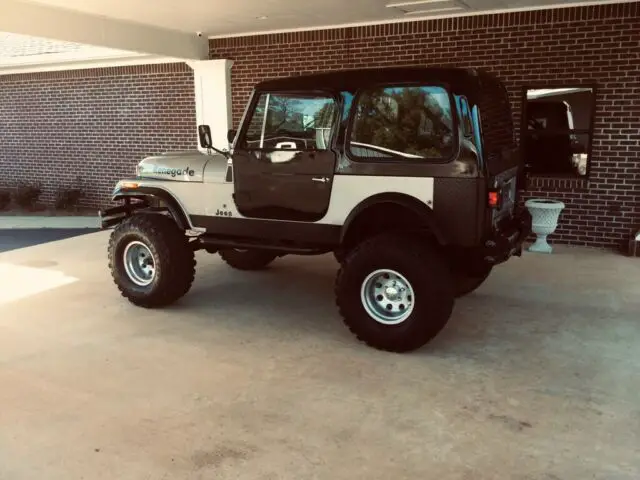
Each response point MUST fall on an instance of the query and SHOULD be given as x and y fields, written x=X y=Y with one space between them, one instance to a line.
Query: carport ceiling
x=237 y=17
x=59 y=34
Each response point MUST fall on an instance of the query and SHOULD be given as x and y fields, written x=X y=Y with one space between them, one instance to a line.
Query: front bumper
x=110 y=217
x=507 y=240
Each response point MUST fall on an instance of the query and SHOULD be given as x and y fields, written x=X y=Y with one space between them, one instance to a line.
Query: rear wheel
x=394 y=292
x=247 y=259
x=151 y=261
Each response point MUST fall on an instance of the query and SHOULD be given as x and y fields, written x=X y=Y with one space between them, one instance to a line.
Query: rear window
x=403 y=123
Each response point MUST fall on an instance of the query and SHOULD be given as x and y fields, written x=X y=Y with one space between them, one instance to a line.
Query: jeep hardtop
x=408 y=176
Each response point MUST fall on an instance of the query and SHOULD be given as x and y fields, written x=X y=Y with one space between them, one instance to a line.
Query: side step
x=212 y=243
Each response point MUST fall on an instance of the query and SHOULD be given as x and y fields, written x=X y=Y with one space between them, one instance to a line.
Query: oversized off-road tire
x=395 y=292
x=466 y=282
x=151 y=261
x=247 y=259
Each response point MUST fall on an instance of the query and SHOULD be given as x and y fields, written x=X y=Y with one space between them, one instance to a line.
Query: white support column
x=212 y=83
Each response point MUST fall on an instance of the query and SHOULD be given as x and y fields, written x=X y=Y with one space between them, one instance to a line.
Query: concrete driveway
x=253 y=376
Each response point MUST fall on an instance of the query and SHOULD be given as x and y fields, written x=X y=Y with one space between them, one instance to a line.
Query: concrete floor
x=253 y=376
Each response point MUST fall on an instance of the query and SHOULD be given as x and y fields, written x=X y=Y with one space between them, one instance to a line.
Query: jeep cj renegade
x=407 y=175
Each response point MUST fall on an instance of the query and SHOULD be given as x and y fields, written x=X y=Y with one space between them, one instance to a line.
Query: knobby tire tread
x=173 y=253
x=405 y=249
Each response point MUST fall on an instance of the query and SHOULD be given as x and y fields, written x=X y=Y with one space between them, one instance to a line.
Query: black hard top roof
x=351 y=80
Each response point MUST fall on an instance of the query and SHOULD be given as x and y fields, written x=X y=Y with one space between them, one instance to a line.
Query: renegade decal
x=173 y=171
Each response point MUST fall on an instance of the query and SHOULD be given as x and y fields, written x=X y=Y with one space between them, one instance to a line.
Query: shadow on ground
x=13 y=239
x=296 y=295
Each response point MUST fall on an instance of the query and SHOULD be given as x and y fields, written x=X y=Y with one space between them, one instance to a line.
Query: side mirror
x=204 y=134
x=231 y=135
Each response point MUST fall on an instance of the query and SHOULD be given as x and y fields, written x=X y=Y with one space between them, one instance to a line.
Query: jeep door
x=283 y=161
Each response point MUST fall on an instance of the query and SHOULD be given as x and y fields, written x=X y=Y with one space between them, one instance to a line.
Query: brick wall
x=95 y=124
x=597 y=44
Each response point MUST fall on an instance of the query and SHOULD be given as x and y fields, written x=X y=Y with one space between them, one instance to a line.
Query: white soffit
x=24 y=54
x=102 y=28
x=398 y=11
x=220 y=18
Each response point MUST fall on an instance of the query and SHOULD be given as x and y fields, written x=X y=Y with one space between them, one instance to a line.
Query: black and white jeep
x=407 y=175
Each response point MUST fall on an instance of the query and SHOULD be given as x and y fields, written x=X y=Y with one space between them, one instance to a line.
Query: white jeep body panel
x=199 y=183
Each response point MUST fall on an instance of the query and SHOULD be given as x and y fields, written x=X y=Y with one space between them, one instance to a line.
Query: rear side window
x=402 y=123
x=291 y=122
x=465 y=116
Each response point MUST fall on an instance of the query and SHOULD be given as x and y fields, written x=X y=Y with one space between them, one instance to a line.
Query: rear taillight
x=495 y=199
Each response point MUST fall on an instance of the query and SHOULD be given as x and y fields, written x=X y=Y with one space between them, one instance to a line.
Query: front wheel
x=395 y=293
x=151 y=261
x=247 y=259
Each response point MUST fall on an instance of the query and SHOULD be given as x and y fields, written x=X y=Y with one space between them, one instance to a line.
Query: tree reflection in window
x=295 y=122
x=408 y=122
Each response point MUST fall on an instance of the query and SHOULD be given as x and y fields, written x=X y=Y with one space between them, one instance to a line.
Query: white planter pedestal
x=544 y=219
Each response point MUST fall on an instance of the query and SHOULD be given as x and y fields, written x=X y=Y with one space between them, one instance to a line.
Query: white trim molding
x=38 y=64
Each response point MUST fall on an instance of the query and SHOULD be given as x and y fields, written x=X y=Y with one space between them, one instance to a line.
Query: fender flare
x=413 y=204
x=174 y=207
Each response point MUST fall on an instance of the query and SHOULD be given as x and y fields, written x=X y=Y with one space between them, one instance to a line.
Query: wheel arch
x=408 y=203
x=176 y=210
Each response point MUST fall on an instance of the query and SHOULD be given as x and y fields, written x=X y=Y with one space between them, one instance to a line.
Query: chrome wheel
x=387 y=297
x=139 y=263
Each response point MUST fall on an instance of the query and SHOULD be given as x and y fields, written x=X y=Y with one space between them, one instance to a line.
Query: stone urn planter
x=544 y=219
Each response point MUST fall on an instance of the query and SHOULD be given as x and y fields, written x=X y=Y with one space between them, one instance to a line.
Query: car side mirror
x=231 y=135
x=204 y=135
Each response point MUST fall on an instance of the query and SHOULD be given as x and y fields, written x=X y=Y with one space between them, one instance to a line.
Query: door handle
x=286 y=145
x=320 y=179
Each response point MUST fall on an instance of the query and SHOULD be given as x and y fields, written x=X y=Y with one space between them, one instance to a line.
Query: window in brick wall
x=409 y=122
x=557 y=130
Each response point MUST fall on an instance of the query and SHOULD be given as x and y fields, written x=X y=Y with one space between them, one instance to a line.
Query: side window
x=464 y=114
x=403 y=122
x=347 y=100
x=465 y=117
x=477 y=123
x=291 y=122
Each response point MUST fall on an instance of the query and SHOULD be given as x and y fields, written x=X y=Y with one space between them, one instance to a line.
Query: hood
x=187 y=166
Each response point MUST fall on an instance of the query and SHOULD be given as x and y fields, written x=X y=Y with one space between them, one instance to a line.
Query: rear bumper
x=508 y=239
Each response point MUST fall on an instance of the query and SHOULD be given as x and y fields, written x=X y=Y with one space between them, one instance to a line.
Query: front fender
x=128 y=190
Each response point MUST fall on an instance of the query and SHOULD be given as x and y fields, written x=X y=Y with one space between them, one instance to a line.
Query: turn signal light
x=494 y=199
x=130 y=185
